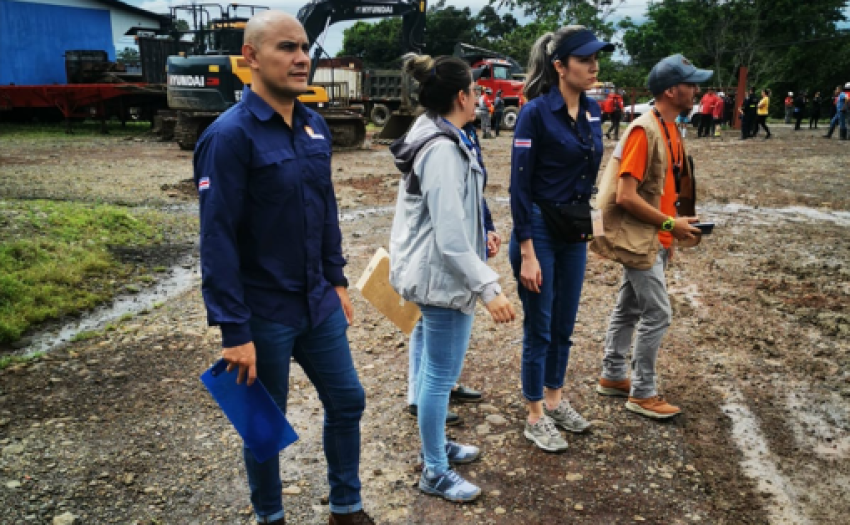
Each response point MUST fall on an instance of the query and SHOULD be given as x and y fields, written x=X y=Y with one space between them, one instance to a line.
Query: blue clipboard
x=251 y=409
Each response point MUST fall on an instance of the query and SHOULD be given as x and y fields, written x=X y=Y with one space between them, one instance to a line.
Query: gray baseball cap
x=674 y=70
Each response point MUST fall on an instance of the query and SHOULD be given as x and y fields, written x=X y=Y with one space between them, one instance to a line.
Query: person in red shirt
x=614 y=107
x=789 y=107
x=717 y=114
x=706 y=111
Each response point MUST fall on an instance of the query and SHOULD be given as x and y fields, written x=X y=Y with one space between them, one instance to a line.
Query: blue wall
x=34 y=38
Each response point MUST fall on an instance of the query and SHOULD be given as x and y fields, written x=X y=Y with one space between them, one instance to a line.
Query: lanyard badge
x=677 y=163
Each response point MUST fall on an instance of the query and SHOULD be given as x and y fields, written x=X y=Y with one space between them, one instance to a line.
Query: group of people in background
x=840 y=112
x=489 y=110
x=754 y=111
x=716 y=109
x=712 y=108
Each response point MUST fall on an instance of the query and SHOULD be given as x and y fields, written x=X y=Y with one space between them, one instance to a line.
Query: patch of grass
x=9 y=360
x=56 y=257
x=85 y=335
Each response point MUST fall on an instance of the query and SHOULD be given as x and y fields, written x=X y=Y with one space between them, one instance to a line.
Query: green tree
x=378 y=44
x=128 y=55
x=785 y=44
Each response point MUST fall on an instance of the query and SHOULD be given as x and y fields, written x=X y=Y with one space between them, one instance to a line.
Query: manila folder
x=375 y=286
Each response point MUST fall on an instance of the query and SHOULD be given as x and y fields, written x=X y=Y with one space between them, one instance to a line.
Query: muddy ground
x=118 y=429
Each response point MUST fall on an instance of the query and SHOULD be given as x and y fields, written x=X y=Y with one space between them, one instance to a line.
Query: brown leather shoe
x=608 y=387
x=355 y=518
x=654 y=407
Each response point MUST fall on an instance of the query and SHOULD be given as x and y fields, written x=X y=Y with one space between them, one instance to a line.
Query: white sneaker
x=566 y=417
x=544 y=434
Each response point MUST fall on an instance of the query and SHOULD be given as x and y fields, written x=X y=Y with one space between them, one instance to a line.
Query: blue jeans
x=324 y=355
x=445 y=337
x=416 y=347
x=549 y=316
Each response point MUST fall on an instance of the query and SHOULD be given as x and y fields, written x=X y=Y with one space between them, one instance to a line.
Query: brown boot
x=355 y=518
x=655 y=407
x=609 y=387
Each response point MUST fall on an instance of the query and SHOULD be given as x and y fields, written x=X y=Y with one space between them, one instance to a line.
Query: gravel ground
x=118 y=429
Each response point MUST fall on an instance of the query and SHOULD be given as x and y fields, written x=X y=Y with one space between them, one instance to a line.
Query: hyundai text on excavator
x=209 y=81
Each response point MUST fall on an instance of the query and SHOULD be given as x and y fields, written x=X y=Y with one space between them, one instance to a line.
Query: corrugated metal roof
x=117 y=4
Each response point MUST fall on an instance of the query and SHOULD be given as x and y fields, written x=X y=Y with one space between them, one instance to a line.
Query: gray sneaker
x=566 y=417
x=448 y=485
x=545 y=435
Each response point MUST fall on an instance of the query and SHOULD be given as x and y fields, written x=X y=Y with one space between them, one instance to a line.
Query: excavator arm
x=318 y=15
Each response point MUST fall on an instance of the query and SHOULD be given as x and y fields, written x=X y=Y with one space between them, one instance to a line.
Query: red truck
x=500 y=72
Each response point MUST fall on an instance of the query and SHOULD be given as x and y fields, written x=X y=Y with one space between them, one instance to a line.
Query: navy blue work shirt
x=270 y=239
x=475 y=145
x=550 y=160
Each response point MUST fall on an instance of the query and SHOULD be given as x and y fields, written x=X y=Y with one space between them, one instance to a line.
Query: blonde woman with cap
x=556 y=155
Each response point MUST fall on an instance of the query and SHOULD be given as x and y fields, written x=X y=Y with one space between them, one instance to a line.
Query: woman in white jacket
x=437 y=253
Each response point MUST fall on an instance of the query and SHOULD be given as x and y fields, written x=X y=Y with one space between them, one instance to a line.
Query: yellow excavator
x=209 y=80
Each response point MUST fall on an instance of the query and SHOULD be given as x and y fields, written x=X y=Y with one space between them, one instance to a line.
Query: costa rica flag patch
x=522 y=143
x=204 y=184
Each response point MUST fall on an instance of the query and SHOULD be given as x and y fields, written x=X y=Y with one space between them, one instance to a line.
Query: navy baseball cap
x=675 y=70
x=582 y=43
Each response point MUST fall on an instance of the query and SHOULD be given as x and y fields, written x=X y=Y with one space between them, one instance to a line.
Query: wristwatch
x=667 y=226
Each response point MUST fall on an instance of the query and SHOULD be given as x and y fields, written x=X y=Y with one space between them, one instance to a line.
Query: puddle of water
x=721 y=213
x=759 y=462
x=179 y=280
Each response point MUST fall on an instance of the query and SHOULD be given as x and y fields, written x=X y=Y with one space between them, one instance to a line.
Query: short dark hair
x=440 y=79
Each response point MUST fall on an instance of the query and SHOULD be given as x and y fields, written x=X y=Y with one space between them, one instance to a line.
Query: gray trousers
x=643 y=303
x=485 y=120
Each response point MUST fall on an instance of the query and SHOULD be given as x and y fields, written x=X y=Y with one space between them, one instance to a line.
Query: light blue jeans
x=444 y=335
x=416 y=347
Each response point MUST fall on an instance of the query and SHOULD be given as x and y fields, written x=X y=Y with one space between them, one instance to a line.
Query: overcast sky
x=333 y=40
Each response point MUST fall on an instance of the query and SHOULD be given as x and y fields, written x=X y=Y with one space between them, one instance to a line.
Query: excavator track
x=189 y=128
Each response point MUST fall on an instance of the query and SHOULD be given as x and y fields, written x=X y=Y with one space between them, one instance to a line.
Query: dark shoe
x=767 y=137
x=464 y=394
x=355 y=518
x=452 y=418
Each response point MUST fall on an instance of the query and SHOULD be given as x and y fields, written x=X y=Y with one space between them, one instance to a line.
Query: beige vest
x=628 y=240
